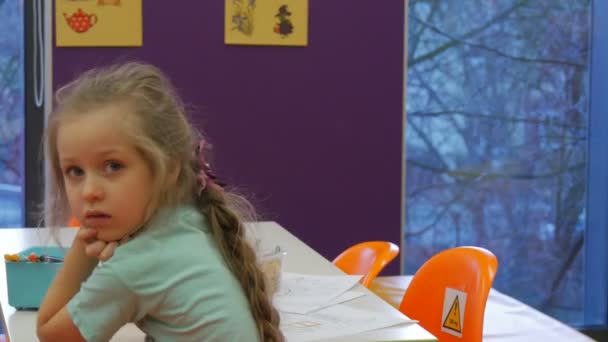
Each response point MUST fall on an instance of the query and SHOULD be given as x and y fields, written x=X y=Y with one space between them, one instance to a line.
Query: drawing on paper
x=303 y=324
x=243 y=16
x=80 y=21
x=108 y=2
x=284 y=27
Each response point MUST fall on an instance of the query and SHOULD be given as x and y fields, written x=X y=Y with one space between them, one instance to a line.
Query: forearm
x=77 y=267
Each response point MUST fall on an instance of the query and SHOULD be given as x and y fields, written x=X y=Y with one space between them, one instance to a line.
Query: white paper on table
x=334 y=321
x=302 y=293
x=345 y=297
x=304 y=305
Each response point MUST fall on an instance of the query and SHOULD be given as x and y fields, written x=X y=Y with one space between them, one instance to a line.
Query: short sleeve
x=102 y=306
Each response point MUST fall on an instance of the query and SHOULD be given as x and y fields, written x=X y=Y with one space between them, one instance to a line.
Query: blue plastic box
x=27 y=282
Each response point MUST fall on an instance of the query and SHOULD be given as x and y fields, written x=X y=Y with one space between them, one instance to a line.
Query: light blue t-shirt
x=171 y=281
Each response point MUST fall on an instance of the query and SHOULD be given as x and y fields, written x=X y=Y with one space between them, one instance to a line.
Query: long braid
x=228 y=231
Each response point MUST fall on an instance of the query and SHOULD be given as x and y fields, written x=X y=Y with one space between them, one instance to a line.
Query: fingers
x=86 y=234
x=95 y=248
x=108 y=251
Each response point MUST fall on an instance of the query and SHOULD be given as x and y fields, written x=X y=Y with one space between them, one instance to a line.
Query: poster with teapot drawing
x=98 y=22
x=266 y=22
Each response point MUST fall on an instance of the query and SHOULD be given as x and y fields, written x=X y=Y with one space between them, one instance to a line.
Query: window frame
x=596 y=232
x=37 y=48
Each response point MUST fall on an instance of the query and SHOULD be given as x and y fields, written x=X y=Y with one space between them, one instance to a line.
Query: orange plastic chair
x=366 y=258
x=73 y=223
x=467 y=269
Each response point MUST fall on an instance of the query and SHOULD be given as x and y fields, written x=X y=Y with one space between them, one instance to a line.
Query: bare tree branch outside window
x=11 y=112
x=497 y=109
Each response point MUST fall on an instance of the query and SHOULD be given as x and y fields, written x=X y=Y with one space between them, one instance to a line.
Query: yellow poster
x=266 y=22
x=98 y=22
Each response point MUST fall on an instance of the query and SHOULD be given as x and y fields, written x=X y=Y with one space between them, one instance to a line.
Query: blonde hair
x=160 y=130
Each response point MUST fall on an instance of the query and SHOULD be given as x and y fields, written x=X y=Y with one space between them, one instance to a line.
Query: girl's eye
x=113 y=166
x=74 y=171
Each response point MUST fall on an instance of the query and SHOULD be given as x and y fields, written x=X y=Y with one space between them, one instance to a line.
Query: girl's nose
x=92 y=190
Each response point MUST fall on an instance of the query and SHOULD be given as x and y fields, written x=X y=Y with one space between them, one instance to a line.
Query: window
x=498 y=145
x=23 y=89
x=11 y=113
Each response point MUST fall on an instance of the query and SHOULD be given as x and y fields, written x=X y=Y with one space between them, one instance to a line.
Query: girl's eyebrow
x=67 y=160
x=100 y=153
x=109 y=151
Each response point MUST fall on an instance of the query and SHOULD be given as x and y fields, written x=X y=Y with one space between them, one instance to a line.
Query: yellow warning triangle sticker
x=452 y=320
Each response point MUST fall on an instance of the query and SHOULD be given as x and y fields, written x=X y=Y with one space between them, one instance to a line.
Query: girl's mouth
x=95 y=219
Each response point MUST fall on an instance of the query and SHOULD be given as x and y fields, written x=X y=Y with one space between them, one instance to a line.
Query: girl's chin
x=108 y=236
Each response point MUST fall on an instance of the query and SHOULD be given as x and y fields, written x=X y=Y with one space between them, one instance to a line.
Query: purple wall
x=315 y=133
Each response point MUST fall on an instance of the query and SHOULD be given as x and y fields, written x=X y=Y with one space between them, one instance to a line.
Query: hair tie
x=205 y=177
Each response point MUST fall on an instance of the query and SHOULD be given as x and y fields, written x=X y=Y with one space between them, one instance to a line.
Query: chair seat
x=391 y=288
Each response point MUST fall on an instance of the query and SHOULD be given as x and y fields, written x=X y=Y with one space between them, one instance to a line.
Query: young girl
x=126 y=163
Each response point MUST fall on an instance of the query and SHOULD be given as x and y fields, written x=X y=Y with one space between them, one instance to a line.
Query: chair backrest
x=73 y=222
x=435 y=295
x=366 y=258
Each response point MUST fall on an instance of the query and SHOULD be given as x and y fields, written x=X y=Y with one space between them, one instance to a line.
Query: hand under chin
x=107 y=236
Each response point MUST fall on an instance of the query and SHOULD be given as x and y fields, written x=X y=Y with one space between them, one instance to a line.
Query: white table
x=505 y=319
x=20 y=325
